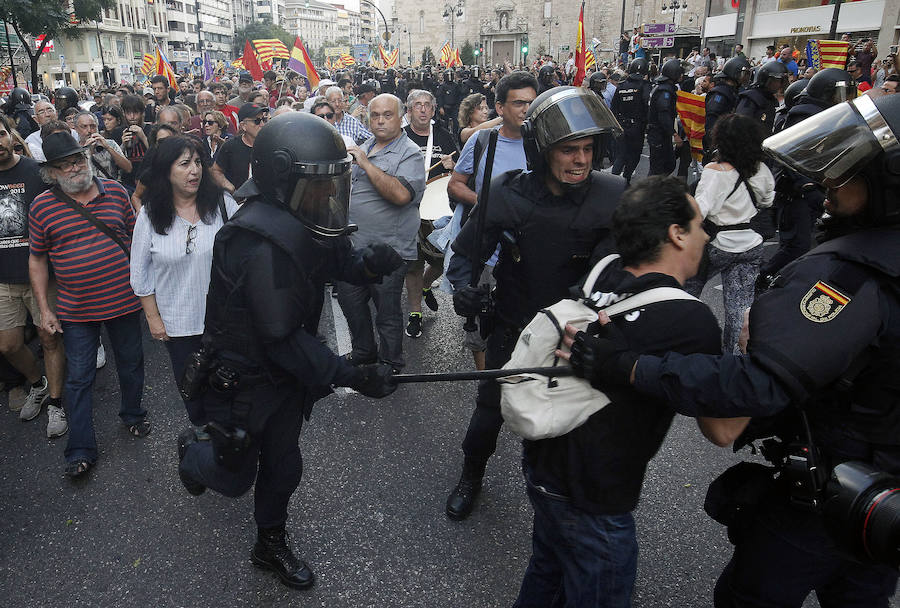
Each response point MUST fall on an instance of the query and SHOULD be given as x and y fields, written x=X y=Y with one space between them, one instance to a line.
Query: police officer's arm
x=661 y=107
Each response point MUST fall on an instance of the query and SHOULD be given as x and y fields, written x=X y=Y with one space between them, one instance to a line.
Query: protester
x=474 y=115
x=346 y=124
x=105 y=154
x=113 y=123
x=214 y=132
x=232 y=165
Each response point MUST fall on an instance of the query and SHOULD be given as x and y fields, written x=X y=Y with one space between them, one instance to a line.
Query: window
x=93 y=51
x=421 y=22
x=120 y=47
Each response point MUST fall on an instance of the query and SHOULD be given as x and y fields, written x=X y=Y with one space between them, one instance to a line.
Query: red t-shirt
x=863 y=87
x=93 y=274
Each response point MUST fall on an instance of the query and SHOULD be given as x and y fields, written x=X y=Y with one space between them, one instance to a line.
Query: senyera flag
x=347 y=59
x=580 y=51
x=303 y=65
x=692 y=112
x=446 y=53
x=148 y=65
x=165 y=68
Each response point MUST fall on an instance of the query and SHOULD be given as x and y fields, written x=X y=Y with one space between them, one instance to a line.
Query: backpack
x=536 y=407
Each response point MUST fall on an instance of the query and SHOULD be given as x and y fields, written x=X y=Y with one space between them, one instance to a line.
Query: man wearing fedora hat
x=83 y=225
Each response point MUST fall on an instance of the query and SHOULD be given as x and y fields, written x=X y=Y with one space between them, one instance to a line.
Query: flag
x=580 y=50
x=271 y=48
x=590 y=60
x=327 y=63
x=347 y=59
x=692 y=112
x=456 y=58
x=303 y=65
x=165 y=68
x=148 y=64
x=446 y=52
x=385 y=59
x=208 y=69
x=821 y=54
x=372 y=61
x=251 y=64
x=239 y=62
x=338 y=63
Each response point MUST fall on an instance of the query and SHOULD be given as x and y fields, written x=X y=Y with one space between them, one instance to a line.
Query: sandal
x=79 y=468
x=140 y=429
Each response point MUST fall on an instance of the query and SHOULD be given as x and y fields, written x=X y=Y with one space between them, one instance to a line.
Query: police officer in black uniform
x=824 y=352
x=759 y=100
x=661 y=118
x=262 y=366
x=629 y=106
x=791 y=95
x=551 y=222
x=597 y=83
x=473 y=83
x=546 y=78
x=20 y=109
x=449 y=95
x=65 y=98
x=723 y=97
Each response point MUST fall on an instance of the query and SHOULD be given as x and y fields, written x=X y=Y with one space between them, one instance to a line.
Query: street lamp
x=548 y=23
x=674 y=5
x=387 y=35
x=453 y=12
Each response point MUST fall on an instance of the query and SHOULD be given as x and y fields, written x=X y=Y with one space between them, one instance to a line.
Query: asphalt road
x=368 y=515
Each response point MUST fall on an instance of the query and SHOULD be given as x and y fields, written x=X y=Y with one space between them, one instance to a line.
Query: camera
x=98 y=149
x=862 y=512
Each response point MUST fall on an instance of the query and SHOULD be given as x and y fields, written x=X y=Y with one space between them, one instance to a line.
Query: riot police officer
x=473 y=83
x=823 y=353
x=791 y=94
x=759 y=100
x=799 y=201
x=546 y=78
x=661 y=118
x=597 y=83
x=65 y=98
x=19 y=108
x=554 y=219
x=449 y=95
x=723 y=97
x=629 y=106
x=262 y=365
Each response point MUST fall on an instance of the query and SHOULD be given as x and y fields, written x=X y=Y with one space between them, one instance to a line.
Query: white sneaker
x=33 y=402
x=101 y=356
x=56 y=421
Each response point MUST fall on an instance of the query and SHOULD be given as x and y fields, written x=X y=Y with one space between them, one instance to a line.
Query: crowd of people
x=223 y=214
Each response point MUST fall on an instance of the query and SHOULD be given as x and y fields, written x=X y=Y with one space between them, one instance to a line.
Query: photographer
x=106 y=155
x=822 y=354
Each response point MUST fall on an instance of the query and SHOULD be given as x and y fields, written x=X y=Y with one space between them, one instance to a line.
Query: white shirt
x=724 y=210
x=36 y=145
x=160 y=266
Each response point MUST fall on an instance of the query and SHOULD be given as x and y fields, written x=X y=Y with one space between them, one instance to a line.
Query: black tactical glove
x=381 y=259
x=373 y=380
x=472 y=301
x=605 y=359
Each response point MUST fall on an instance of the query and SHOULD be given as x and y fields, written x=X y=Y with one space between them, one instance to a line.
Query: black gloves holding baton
x=603 y=358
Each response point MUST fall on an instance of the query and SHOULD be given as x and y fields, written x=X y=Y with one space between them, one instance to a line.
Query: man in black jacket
x=584 y=485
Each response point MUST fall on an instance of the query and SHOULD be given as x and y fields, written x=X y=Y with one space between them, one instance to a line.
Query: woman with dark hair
x=473 y=116
x=171 y=250
x=730 y=192
x=113 y=123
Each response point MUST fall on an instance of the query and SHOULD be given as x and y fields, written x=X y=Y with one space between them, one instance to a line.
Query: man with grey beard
x=83 y=225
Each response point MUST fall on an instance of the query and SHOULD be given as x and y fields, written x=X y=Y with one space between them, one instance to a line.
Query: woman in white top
x=729 y=193
x=171 y=251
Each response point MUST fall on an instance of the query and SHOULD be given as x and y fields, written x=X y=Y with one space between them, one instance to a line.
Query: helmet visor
x=843 y=91
x=572 y=116
x=322 y=203
x=834 y=145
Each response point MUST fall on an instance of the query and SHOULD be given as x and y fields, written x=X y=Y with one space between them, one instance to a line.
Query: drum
x=435 y=205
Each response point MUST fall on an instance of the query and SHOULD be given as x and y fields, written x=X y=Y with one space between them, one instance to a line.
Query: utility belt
x=205 y=370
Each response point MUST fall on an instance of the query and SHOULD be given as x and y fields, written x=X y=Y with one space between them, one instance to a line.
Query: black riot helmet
x=546 y=73
x=831 y=86
x=771 y=75
x=638 y=66
x=300 y=162
x=66 y=97
x=672 y=71
x=562 y=114
x=448 y=75
x=476 y=72
x=846 y=140
x=19 y=99
x=794 y=90
x=736 y=69
x=597 y=82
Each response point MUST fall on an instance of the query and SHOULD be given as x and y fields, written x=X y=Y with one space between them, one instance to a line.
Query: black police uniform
x=661 y=128
x=268 y=275
x=555 y=241
x=629 y=105
x=827 y=337
x=449 y=95
x=472 y=85
x=759 y=104
x=721 y=100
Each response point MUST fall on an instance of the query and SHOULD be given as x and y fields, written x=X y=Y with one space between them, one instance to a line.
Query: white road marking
x=341 y=333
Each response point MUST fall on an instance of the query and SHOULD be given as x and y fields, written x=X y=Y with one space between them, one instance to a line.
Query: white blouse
x=724 y=210
x=161 y=266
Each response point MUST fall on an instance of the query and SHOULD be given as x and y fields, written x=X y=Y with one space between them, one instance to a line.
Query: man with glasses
x=206 y=102
x=437 y=147
x=343 y=122
x=232 y=166
x=87 y=218
x=105 y=154
x=44 y=112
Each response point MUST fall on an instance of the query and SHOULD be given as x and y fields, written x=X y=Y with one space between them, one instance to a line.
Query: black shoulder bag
x=90 y=217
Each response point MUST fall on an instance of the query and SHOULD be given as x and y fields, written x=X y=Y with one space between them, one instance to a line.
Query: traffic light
x=524 y=46
x=477 y=51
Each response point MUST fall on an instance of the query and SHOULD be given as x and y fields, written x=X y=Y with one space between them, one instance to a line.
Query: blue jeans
x=81 y=341
x=354 y=301
x=578 y=559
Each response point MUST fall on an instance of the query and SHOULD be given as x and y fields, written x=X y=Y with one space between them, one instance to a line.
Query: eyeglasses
x=327 y=116
x=519 y=103
x=210 y=122
x=189 y=243
x=422 y=105
x=68 y=165
x=260 y=120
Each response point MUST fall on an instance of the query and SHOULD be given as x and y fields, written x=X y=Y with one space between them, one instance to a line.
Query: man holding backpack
x=551 y=222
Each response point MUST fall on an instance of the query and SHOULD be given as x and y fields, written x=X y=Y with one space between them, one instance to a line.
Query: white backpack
x=537 y=407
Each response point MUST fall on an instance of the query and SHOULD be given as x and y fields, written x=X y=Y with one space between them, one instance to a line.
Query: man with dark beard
x=84 y=224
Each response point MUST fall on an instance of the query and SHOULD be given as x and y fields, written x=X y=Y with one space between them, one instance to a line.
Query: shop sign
x=658 y=29
x=658 y=42
x=806 y=29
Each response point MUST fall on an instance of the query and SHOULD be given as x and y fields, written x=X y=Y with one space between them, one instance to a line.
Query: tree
x=51 y=18
x=467 y=53
x=428 y=56
x=264 y=28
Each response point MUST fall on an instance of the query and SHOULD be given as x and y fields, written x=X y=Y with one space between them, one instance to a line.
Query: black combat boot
x=462 y=498
x=272 y=552
x=193 y=487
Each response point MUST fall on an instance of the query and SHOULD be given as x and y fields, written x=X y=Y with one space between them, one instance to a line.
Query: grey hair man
x=105 y=154
x=343 y=122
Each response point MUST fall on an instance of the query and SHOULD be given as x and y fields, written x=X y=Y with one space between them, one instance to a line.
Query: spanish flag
x=692 y=112
x=580 y=51
x=303 y=65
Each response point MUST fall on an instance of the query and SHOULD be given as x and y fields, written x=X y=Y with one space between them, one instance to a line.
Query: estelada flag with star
x=580 y=51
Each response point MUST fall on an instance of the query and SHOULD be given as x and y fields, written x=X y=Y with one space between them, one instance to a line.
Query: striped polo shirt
x=92 y=272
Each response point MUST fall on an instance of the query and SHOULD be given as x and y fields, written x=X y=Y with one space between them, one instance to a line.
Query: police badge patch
x=822 y=303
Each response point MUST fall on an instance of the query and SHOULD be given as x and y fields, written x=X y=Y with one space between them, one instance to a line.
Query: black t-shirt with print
x=18 y=187
x=233 y=158
x=442 y=143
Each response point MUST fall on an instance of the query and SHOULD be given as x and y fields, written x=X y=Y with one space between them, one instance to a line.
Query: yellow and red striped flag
x=148 y=64
x=165 y=68
x=347 y=59
x=271 y=48
x=821 y=54
x=692 y=112
x=446 y=54
x=389 y=60
x=239 y=62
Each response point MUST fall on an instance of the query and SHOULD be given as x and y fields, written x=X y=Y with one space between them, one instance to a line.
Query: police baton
x=480 y=217
x=485 y=374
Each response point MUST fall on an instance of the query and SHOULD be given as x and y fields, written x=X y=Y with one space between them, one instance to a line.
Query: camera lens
x=98 y=149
